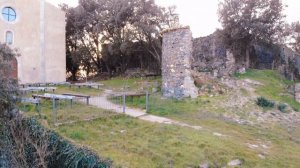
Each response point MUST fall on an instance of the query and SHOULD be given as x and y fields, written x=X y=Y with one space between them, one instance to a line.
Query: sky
x=201 y=15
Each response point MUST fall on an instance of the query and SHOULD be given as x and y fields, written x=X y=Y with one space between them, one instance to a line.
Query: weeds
x=282 y=107
x=265 y=103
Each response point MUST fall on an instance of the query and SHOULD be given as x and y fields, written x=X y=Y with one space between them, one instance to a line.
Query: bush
x=265 y=103
x=39 y=147
x=8 y=85
x=282 y=107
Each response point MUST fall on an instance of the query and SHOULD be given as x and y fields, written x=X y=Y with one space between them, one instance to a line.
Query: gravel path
x=103 y=103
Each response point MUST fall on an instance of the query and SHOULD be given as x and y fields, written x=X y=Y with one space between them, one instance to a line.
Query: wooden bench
x=38 y=89
x=87 y=97
x=54 y=97
x=43 y=97
x=43 y=84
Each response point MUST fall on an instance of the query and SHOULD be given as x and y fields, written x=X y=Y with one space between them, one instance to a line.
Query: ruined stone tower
x=177 y=80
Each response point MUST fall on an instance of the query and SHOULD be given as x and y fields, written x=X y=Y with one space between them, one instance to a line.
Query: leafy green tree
x=118 y=27
x=295 y=36
x=246 y=22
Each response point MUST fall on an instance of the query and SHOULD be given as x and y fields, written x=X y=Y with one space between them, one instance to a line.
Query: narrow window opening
x=9 y=38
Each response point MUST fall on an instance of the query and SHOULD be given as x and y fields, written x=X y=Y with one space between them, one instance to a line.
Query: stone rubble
x=235 y=163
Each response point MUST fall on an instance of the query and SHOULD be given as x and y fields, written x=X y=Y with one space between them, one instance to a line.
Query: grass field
x=275 y=86
x=133 y=143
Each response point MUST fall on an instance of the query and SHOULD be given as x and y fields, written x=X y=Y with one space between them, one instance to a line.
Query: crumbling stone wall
x=177 y=80
x=290 y=63
x=263 y=57
x=210 y=55
x=297 y=92
x=276 y=57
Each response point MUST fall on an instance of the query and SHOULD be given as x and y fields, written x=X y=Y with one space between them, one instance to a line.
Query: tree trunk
x=247 y=58
x=73 y=77
x=108 y=69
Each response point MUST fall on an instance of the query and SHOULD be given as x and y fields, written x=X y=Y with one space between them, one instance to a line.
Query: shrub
x=265 y=103
x=282 y=107
x=39 y=147
x=8 y=85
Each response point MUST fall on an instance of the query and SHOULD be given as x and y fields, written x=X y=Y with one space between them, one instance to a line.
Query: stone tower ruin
x=177 y=80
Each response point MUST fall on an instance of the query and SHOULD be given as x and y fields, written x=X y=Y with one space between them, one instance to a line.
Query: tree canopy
x=246 y=22
x=295 y=36
x=113 y=35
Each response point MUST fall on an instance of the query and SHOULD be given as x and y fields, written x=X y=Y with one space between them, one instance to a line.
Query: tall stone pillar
x=177 y=80
x=297 y=92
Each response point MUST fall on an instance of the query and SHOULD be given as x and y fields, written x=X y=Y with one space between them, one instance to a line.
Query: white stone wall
x=27 y=39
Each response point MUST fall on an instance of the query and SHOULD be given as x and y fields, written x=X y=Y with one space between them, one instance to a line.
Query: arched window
x=9 y=38
x=9 y=14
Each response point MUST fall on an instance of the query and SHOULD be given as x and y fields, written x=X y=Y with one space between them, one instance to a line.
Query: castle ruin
x=177 y=80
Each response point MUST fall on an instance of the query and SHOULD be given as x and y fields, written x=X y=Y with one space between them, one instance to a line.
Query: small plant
x=282 y=107
x=265 y=103
x=77 y=135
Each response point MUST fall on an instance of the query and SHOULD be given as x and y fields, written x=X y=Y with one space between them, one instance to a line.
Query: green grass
x=274 y=86
x=186 y=110
x=135 y=84
x=134 y=143
x=65 y=113
x=165 y=107
x=77 y=135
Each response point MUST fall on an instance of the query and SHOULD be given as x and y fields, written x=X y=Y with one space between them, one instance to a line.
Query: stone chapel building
x=37 y=29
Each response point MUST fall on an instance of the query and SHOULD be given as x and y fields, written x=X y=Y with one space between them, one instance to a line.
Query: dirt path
x=103 y=103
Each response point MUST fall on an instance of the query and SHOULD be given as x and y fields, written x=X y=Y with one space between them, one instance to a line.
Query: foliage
x=8 y=85
x=112 y=35
x=282 y=107
x=273 y=85
x=263 y=102
x=295 y=36
x=247 y=22
x=38 y=147
x=29 y=144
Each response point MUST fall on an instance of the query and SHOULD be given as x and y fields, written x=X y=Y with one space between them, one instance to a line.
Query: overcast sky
x=201 y=15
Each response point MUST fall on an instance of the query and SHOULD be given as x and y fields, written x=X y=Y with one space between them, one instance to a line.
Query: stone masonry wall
x=177 y=80
x=210 y=55
x=297 y=92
